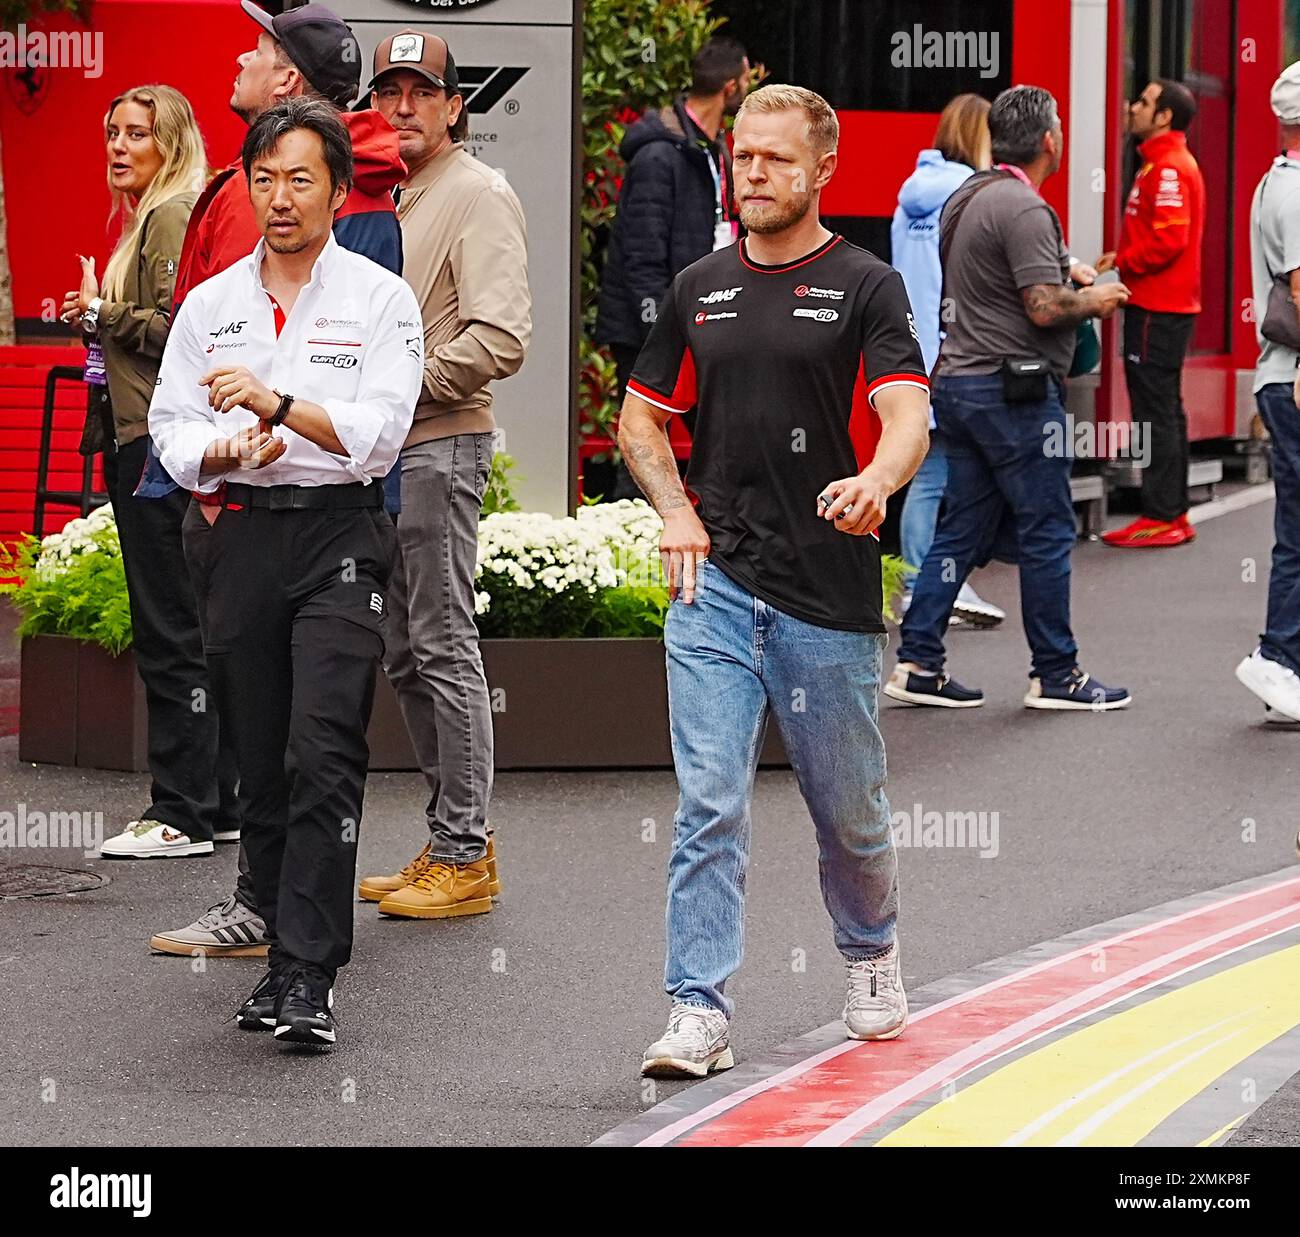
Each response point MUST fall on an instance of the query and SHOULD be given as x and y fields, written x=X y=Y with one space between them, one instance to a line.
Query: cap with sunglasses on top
x=425 y=54
x=320 y=44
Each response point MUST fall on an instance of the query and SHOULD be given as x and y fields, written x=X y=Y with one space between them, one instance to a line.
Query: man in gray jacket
x=465 y=256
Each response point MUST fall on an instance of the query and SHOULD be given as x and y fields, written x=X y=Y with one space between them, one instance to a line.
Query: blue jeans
x=1281 y=641
x=921 y=507
x=1007 y=494
x=732 y=659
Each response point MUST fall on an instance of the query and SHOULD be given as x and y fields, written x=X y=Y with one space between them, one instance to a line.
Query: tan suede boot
x=442 y=891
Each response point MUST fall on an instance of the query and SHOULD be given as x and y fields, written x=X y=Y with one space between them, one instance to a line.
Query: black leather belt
x=305 y=497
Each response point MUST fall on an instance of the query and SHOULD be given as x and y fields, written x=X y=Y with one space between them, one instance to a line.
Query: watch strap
x=282 y=411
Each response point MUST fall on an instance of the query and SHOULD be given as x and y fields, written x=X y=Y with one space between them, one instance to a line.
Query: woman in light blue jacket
x=961 y=147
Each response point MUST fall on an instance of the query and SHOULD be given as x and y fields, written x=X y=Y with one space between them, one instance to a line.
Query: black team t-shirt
x=782 y=364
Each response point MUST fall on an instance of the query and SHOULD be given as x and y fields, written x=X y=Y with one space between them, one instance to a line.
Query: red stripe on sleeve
x=683 y=396
x=917 y=379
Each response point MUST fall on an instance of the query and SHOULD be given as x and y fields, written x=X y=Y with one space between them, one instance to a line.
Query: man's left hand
x=234 y=386
x=856 y=505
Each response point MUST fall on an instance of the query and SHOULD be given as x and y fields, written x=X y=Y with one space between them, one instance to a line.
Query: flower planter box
x=557 y=704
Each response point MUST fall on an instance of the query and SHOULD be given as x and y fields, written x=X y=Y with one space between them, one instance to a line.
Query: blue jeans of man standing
x=733 y=661
x=1008 y=493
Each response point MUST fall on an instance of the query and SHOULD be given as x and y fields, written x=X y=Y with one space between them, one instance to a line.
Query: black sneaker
x=258 y=1012
x=1078 y=691
x=303 y=1010
x=933 y=689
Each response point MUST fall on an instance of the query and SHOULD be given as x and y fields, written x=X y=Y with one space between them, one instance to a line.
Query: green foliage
x=893 y=578
x=87 y=599
x=637 y=54
x=499 y=495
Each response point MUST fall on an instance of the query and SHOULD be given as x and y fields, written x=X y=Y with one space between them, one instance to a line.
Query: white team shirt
x=353 y=343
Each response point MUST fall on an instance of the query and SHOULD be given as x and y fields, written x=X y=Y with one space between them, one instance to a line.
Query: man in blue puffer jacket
x=962 y=146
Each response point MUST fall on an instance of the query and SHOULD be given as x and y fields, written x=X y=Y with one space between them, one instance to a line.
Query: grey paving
x=525 y=1026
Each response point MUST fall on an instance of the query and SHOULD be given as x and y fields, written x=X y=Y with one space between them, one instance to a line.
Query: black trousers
x=294 y=602
x=196 y=536
x=1155 y=345
x=168 y=649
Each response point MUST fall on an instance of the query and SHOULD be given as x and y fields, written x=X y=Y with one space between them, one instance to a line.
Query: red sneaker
x=1189 y=529
x=1145 y=533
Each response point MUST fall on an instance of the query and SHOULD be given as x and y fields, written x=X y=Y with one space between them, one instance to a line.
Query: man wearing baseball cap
x=310 y=52
x=466 y=260
x=1272 y=671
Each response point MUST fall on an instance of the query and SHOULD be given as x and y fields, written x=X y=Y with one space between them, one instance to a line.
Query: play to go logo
x=818 y=315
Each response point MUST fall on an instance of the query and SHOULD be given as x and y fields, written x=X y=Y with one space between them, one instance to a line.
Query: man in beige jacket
x=465 y=256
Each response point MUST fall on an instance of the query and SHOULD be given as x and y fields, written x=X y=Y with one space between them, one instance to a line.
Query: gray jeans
x=432 y=655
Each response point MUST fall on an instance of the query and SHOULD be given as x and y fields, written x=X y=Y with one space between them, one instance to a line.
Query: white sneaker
x=975 y=610
x=1273 y=717
x=876 y=1005
x=1275 y=684
x=695 y=1043
x=148 y=839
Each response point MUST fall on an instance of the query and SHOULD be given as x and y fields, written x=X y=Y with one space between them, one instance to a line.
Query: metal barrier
x=87 y=498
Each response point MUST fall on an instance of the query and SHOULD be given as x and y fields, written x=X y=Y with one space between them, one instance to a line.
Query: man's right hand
x=1106 y=299
x=683 y=544
x=252 y=447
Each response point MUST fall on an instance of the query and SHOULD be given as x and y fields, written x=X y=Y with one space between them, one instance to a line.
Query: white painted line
x=1233 y=502
x=1076 y=1136
x=1025 y=1133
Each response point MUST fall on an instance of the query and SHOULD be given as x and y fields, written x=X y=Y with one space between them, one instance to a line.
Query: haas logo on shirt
x=721 y=294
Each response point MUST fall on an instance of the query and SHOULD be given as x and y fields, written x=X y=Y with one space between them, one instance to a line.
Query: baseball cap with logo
x=320 y=44
x=1285 y=98
x=425 y=54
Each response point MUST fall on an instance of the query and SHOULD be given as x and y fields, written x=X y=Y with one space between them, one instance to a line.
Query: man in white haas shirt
x=287 y=387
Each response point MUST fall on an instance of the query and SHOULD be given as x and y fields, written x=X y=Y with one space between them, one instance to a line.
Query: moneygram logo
x=703 y=317
x=819 y=294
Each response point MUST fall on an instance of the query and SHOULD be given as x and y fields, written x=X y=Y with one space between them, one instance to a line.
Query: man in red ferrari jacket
x=1159 y=258
x=303 y=51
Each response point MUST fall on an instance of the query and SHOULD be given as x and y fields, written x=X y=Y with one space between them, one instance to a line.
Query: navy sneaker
x=933 y=689
x=304 y=1007
x=1080 y=691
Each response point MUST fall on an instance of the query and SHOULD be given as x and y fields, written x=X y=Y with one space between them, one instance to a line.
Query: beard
x=284 y=244
x=769 y=218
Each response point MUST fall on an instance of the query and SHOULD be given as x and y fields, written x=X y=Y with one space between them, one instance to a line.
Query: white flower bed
x=603 y=546
x=94 y=533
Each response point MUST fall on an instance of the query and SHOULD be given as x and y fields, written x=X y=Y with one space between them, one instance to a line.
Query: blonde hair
x=823 y=124
x=184 y=169
x=963 y=133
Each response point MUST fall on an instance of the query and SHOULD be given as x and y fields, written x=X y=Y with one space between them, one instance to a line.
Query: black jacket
x=666 y=213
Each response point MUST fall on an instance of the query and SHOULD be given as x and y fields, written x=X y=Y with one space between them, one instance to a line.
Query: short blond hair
x=823 y=124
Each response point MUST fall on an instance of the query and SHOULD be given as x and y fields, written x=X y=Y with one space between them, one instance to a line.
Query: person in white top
x=287 y=387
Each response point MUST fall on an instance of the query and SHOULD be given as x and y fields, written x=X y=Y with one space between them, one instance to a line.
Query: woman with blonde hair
x=961 y=148
x=156 y=167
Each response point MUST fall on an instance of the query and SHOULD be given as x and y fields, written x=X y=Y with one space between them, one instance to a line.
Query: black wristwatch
x=286 y=402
